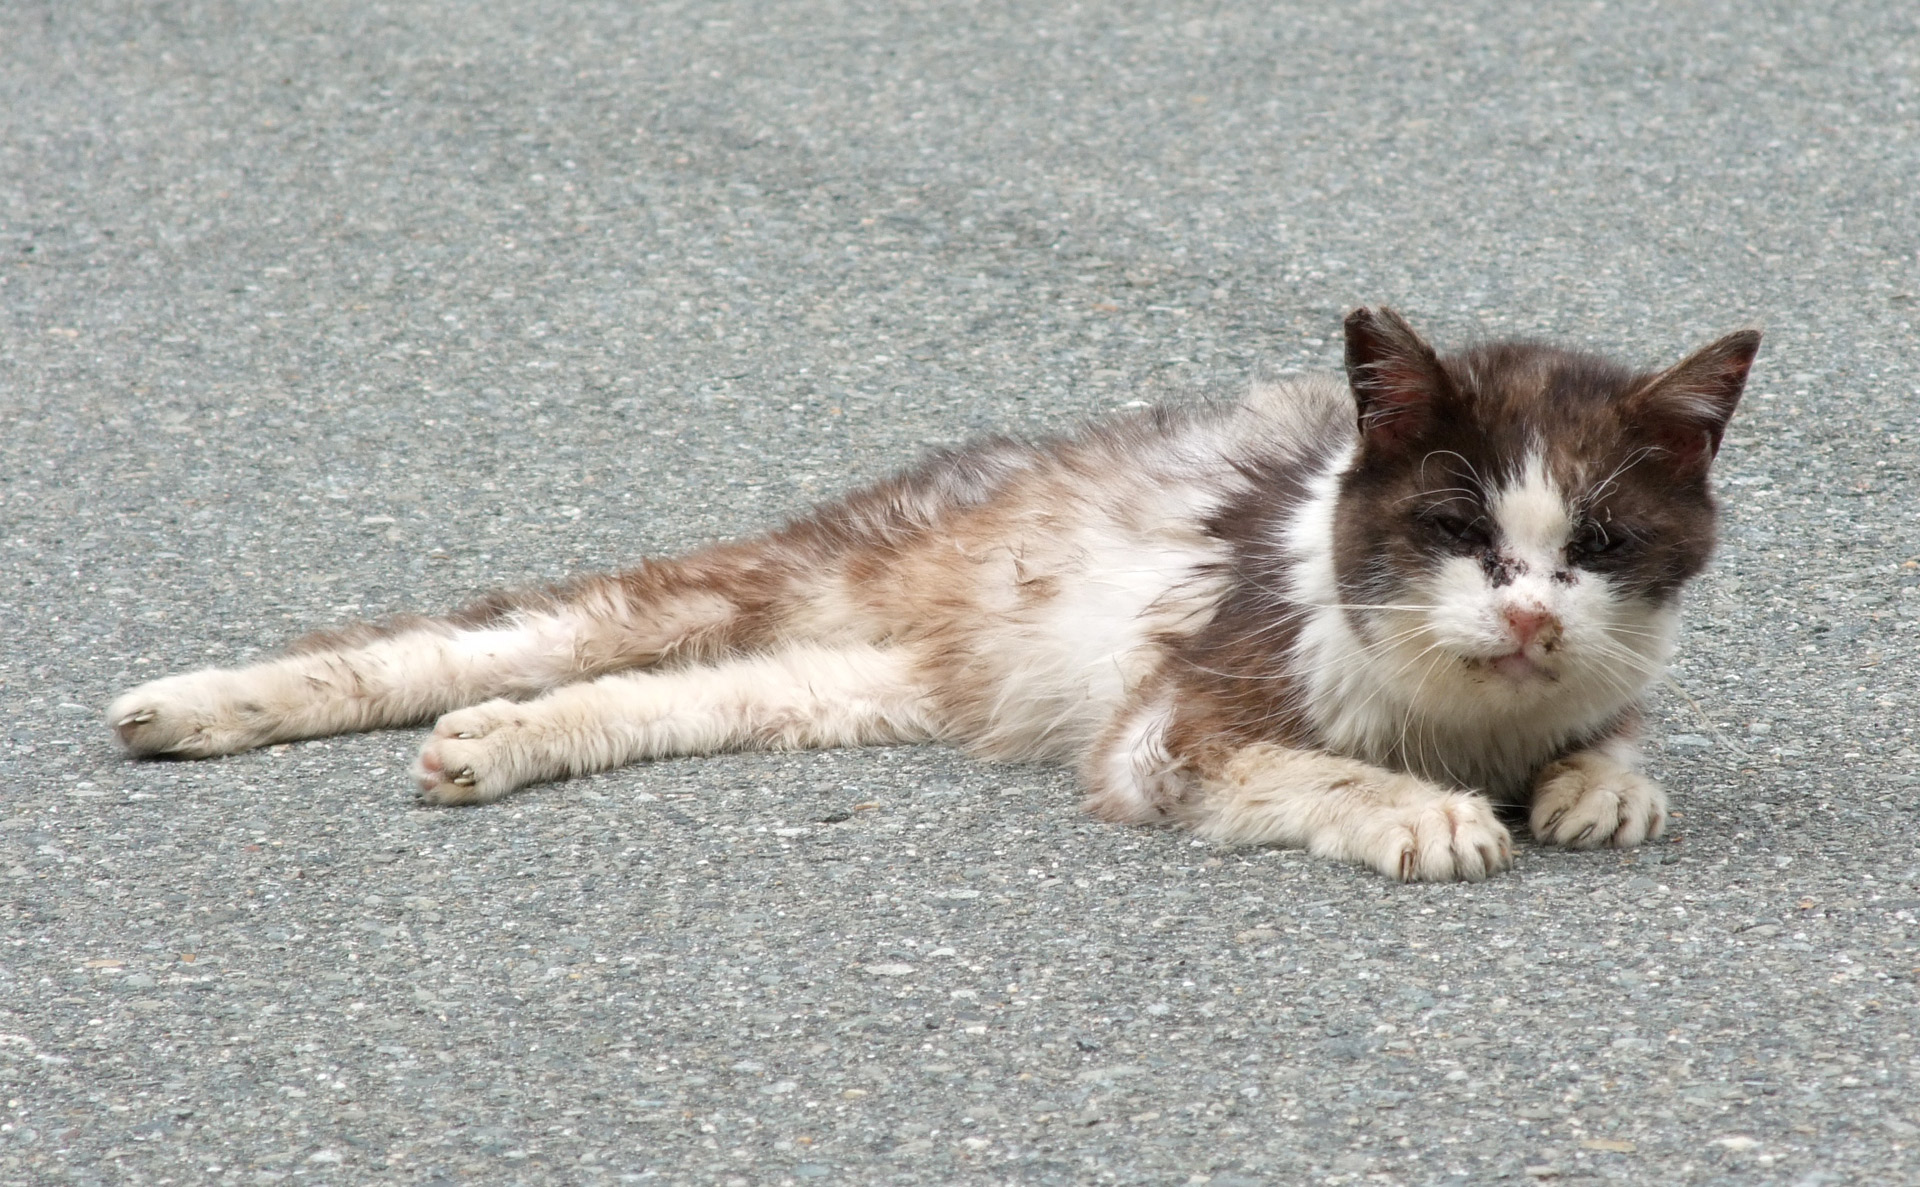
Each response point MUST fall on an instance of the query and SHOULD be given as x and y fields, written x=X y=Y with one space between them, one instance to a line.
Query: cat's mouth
x=1516 y=666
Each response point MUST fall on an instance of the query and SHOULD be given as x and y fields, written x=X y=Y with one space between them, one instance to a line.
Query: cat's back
x=1297 y=417
x=1206 y=449
x=1161 y=468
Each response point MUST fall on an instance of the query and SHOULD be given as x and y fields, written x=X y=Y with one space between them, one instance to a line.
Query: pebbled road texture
x=330 y=310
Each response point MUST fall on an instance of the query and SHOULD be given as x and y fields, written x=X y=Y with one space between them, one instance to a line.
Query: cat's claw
x=1455 y=838
x=1590 y=801
x=194 y=715
x=475 y=755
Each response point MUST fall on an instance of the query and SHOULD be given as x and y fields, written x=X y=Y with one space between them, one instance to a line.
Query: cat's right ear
x=1395 y=376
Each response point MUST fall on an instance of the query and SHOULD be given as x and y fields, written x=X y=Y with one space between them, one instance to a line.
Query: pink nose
x=1527 y=623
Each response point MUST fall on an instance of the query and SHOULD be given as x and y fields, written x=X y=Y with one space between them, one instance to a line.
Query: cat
x=1348 y=614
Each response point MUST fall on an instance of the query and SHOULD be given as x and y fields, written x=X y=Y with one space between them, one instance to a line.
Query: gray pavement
x=321 y=311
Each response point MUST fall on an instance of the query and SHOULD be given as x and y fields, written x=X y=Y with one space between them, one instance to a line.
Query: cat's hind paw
x=475 y=755
x=189 y=716
x=1590 y=801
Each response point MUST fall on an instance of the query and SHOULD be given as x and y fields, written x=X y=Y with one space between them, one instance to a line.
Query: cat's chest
x=1498 y=756
x=1462 y=732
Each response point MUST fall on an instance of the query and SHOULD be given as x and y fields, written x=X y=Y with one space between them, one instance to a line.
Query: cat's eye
x=1457 y=529
x=1594 y=539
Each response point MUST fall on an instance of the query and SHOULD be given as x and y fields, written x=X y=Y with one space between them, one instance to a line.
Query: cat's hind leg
x=793 y=698
x=340 y=685
x=521 y=644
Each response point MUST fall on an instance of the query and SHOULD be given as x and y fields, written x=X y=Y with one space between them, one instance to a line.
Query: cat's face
x=1519 y=520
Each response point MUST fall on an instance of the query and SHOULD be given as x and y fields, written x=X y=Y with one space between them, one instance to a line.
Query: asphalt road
x=328 y=310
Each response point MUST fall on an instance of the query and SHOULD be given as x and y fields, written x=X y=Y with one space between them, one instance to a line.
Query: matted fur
x=1342 y=615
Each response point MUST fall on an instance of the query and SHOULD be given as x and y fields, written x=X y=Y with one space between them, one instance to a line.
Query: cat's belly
x=1066 y=626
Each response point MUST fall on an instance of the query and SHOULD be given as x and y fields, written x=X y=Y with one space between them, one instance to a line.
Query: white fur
x=1121 y=572
x=805 y=696
x=1352 y=695
x=1593 y=799
x=1133 y=776
x=1145 y=570
x=1088 y=649
x=538 y=651
x=1401 y=825
x=1533 y=515
x=396 y=680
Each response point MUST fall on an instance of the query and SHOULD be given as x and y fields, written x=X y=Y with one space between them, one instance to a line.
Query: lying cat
x=1345 y=616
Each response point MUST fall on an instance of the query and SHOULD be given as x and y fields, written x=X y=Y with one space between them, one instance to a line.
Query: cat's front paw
x=1441 y=837
x=1589 y=801
x=197 y=715
x=476 y=755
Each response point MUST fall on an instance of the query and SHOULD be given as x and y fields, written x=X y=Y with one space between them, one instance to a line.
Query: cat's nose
x=1528 y=623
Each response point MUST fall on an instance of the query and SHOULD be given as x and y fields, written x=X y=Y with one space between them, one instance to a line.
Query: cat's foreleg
x=797 y=697
x=1401 y=825
x=1594 y=799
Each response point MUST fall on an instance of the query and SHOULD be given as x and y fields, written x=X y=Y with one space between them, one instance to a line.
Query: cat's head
x=1523 y=515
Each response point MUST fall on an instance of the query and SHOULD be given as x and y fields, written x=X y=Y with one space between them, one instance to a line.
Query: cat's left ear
x=1686 y=407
